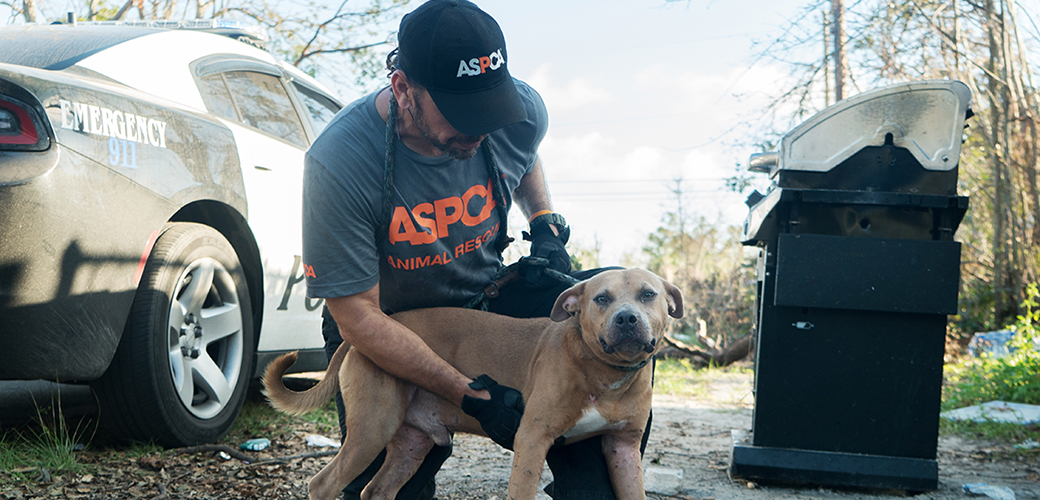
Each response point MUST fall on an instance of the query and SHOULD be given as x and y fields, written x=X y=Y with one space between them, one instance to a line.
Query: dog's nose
x=625 y=320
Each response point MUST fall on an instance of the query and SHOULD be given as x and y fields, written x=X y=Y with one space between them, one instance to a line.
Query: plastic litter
x=994 y=492
x=317 y=440
x=996 y=411
x=992 y=343
x=1028 y=444
x=258 y=444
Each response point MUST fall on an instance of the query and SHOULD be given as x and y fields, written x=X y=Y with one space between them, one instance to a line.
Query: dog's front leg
x=625 y=464
x=529 y=449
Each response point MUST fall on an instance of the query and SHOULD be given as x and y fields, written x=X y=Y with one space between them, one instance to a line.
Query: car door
x=254 y=102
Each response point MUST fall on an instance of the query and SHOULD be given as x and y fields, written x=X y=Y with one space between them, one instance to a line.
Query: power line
x=638 y=193
x=629 y=181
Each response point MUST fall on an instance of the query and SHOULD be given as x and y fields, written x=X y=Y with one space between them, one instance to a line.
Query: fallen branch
x=737 y=350
x=245 y=457
x=215 y=448
x=319 y=454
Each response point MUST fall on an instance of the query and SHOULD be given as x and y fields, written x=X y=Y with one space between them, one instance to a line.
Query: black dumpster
x=857 y=271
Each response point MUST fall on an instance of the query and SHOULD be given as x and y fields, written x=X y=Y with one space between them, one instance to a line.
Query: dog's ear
x=567 y=303
x=675 y=302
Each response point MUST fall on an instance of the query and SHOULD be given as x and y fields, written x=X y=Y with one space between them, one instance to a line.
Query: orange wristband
x=538 y=214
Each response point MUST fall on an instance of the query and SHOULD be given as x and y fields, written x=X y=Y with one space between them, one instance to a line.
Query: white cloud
x=610 y=165
x=576 y=93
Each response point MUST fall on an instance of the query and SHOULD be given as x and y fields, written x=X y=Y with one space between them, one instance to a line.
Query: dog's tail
x=295 y=403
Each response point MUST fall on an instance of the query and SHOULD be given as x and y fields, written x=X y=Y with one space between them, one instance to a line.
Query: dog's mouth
x=628 y=346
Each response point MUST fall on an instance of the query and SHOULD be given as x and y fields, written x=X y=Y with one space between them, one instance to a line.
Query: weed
x=259 y=419
x=46 y=447
x=678 y=377
x=995 y=431
x=1014 y=378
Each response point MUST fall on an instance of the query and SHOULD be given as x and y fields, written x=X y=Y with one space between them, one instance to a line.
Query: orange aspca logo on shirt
x=436 y=218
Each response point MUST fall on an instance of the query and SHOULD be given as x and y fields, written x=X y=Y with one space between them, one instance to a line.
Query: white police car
x=150 y=218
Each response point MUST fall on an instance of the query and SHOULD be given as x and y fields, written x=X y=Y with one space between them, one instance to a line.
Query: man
x=405 y=201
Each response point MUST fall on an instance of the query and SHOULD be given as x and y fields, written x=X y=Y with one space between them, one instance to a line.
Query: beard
x=450 y=148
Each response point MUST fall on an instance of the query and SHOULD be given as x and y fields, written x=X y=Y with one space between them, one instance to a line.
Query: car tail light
x=20 y=129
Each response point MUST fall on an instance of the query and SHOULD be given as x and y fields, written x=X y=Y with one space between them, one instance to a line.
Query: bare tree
x=708 y=264
x=338 y=41
x=840 y=63
x=26 y=9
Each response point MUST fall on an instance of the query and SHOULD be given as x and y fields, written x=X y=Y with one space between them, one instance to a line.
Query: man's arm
x=395 y=348
x=548 y=231
x=532 y=194
x=399 y=351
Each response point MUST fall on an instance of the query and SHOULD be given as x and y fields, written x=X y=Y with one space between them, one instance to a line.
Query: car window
x=321 y=108
x=216 y=97
x=263 y=103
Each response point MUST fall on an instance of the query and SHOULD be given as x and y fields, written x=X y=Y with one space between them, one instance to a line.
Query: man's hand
x=549 y=240
x=498 y=416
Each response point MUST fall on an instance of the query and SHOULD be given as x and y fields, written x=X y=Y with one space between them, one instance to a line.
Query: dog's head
x=623 y=313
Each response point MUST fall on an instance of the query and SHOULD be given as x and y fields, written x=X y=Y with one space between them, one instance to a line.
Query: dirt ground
x=693 y=434
x=689 y=434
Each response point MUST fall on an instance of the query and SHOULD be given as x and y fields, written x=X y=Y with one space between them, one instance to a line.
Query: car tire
x=182 y=368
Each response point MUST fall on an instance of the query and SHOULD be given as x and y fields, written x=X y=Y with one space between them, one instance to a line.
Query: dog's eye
x=602 y=300
x=649 y=295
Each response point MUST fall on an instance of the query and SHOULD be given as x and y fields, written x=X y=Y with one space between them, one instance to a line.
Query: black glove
x=498 y=416
x=550 y=246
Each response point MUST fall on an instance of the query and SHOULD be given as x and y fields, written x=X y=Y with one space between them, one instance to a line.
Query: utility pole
x=826 y=59
x=956 y=38
x=838 y=11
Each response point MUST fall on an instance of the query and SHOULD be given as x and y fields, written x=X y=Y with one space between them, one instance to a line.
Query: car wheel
x=182 y=368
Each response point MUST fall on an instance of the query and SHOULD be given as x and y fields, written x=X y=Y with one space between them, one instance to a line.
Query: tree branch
x=335 y=51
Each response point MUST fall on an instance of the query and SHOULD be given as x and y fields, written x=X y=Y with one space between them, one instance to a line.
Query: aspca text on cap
x=478 y=65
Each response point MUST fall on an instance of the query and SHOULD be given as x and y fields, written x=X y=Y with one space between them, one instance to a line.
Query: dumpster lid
x=925 y=117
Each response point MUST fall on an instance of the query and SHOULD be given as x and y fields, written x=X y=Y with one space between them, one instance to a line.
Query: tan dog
x=581 y=374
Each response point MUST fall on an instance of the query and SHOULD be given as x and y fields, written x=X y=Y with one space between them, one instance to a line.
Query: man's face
x=438 y=132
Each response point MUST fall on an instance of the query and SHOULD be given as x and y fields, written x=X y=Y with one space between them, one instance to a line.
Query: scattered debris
x=663 y=480
x=206 y=448
x=997 y=411
x=258 y=444
x=1028 y=444
x=319 y=440
x=991 y=343
x=994 y=492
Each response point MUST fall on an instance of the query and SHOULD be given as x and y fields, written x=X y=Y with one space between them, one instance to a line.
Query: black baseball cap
x=458 y=52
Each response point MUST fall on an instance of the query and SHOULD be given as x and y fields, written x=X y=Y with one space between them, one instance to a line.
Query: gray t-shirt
x=440 y=247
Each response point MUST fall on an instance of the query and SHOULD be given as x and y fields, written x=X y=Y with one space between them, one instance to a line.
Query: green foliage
x=995 y=431
x=259 y=419
x=711 y=268
x=1013 y=378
